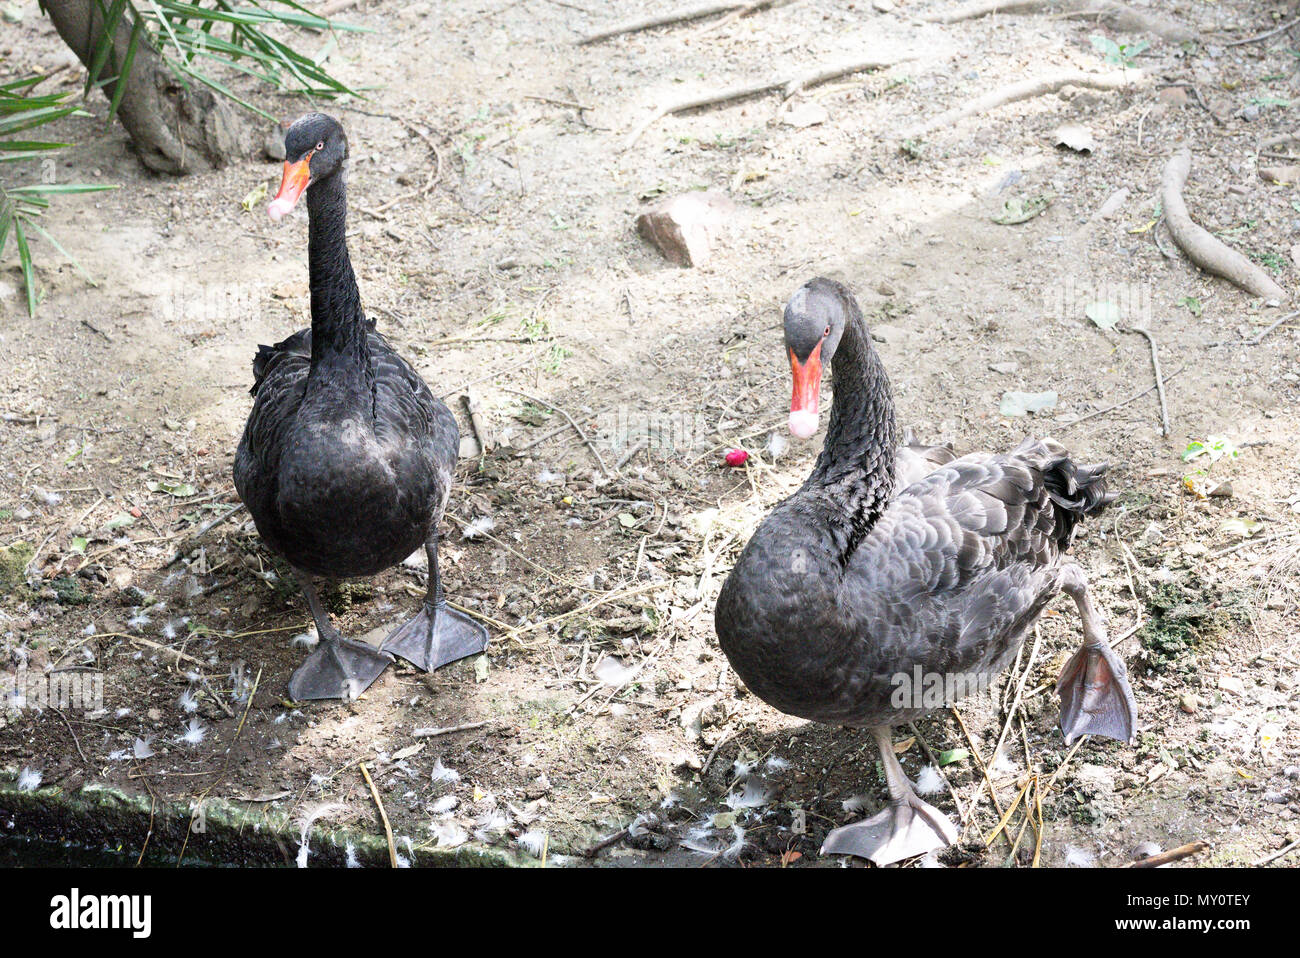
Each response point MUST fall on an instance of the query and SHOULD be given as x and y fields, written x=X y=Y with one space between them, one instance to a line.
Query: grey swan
x=346 y=460
x=852 y=585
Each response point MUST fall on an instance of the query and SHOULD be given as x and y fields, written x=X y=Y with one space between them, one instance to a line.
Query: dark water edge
x=18 y=852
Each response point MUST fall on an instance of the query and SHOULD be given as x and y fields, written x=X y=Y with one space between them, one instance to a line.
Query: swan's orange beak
x=297 y=177
x=807 y=391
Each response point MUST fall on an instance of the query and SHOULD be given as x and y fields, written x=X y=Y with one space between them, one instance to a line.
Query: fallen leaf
x=951 y=755
x=1245 y=528
x=1022 y=210
x=180 y=490
x=1104 y=313
x=254 y=197
x=1016 y=403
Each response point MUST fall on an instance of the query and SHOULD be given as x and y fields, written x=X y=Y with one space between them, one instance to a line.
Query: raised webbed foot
x=1095 y=696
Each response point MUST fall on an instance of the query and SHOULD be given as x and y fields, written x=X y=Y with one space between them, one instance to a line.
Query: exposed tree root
x=1201 y=247
x=1026 y=90
x=698 y=12
x=789 y=87
x=1117 y=15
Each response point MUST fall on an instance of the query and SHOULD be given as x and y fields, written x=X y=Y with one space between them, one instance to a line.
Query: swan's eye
x=320 y=145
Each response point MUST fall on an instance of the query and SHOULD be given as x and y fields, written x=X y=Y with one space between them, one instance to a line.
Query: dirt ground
x=498 y=252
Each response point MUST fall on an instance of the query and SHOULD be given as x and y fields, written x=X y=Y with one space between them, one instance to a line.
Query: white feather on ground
x=445 y=804
x=755 y=795
x=533 y=842
x=188 y=702
x=309 y=639
x=195 y=732
x=1078 y=858
x=443 y=774
x=29 y=780
x=854 y=803
x=478 y=528
x=448 y=834
x=143 y=747
x=929 y=781
x=310 y=816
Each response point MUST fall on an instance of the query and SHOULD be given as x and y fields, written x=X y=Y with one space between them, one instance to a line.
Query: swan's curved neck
x=338 y=324
x=854 y=474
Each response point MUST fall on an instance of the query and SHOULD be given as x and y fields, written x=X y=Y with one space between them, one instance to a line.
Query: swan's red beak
x=297 y=177
x=807 y=390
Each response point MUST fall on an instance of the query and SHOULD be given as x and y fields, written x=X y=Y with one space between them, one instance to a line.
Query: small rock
x=883 y=6
x=1230 y=683
x=1174 y=96
x=804 y=115
x=518 y=260
x=1074 y=137
x=273 y=145
x=1189 y=703
x=1221 y=489
x=1112 y=204
x=684 y=227
x=1280 y=174
x=1006 y=369
x=1015 y=403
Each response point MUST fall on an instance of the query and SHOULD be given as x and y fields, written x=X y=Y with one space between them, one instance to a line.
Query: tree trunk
x=173 y=129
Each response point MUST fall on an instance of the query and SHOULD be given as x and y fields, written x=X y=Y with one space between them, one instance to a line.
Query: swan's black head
x=314 y=148
x=815 y=319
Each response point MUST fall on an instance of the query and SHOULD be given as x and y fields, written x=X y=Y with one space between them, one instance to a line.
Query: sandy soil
x=516 y=272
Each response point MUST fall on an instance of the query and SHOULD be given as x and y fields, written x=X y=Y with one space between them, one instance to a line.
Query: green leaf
x=120 y=88
x=952 y=755
x=180 y=490
x=66 y=255
x=118 y=521
x=25 y=259
x=79 y=544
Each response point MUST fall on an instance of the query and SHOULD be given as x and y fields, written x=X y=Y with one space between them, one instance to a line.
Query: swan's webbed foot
x=1095 y=695
x=439 y=634
x=436 y=636
x=906 y=828
x=338 y=669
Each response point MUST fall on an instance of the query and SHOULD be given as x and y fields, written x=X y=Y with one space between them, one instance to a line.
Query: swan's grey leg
x=339 y=668
x=905 y=828
x=1095 y=695
x=438 y=634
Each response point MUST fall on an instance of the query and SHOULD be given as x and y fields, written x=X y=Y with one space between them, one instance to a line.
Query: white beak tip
x=278 y=209
x=803 y=423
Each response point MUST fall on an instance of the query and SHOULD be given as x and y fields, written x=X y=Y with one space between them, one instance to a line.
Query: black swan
x=850 y=584
x=346 y=461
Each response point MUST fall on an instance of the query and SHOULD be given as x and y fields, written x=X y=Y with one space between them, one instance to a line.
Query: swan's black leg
x=905 y=828
x=1095 y=694
x=339 y=668
x=439 y=634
